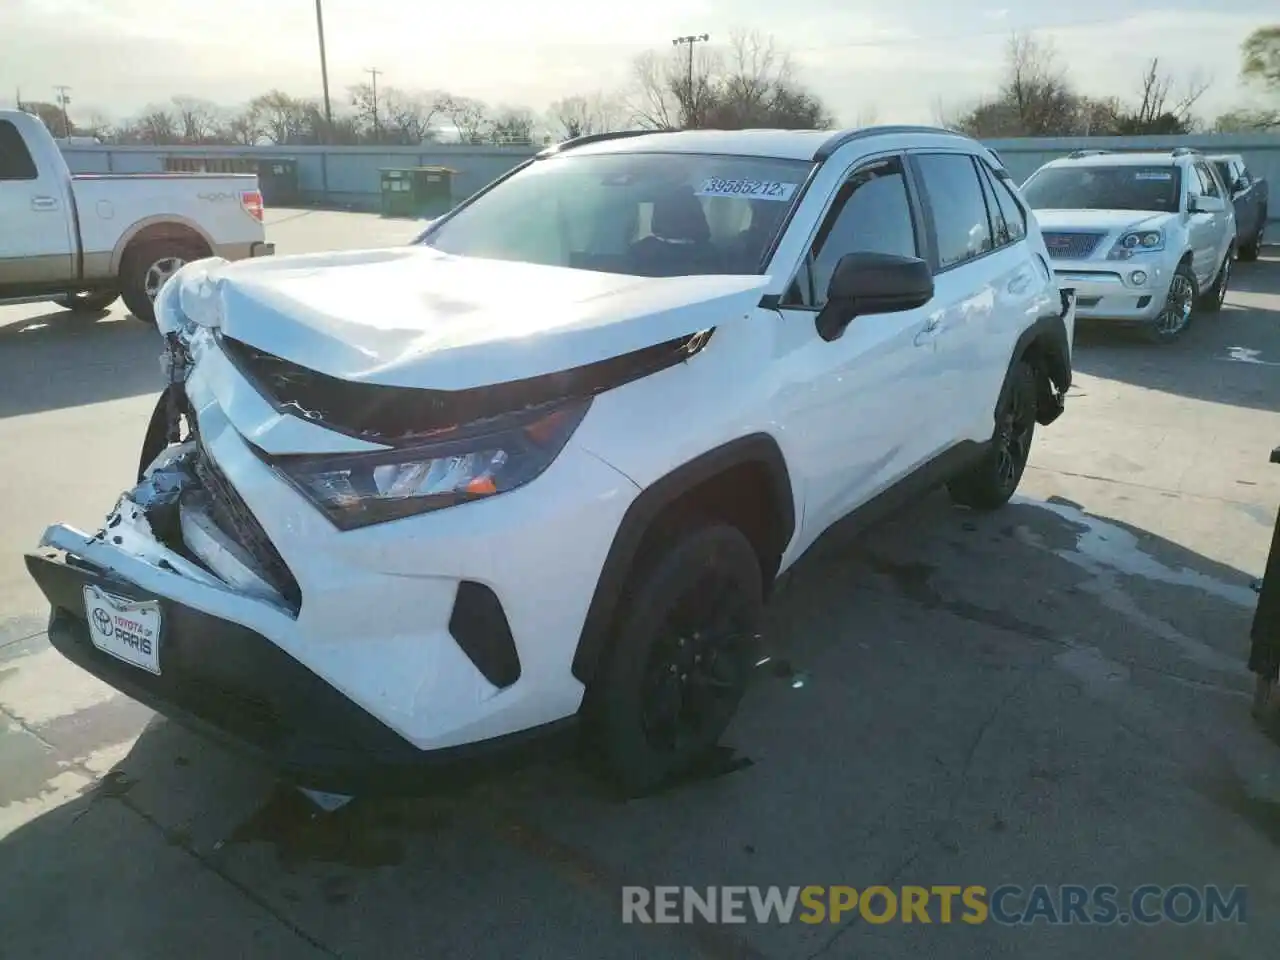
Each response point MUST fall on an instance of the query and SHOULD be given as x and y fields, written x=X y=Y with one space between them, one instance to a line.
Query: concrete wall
x=348 y=176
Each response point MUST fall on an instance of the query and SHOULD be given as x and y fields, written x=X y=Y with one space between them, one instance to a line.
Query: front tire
x=992 y=480
x=147 y=267
x=88 y=301
x=1211 y=300
x=685 y=649
x=1175 y=315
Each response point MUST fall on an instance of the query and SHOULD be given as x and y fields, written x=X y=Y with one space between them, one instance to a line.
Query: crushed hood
x=1101 y=221
x=415 y=317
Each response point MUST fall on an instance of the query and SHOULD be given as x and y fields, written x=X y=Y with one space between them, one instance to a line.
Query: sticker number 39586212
x=747 y=189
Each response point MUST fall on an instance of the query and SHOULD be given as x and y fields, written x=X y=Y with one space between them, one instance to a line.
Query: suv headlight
x=1139 y=241
x=356 y=490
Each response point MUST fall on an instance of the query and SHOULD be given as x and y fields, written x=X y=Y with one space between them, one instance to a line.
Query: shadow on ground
x=60 y=359
x=1241 y=332
x=1032 y=696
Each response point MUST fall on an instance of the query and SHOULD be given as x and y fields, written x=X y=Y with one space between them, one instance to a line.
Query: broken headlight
x=356 y=490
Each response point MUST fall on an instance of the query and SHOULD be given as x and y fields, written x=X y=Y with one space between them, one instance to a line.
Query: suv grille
x=1071 y=246
x=235 y=518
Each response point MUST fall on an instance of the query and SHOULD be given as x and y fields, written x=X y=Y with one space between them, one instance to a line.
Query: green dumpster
x=432 y=191
x=417 y=191
x=278 y=180
x=397 y=192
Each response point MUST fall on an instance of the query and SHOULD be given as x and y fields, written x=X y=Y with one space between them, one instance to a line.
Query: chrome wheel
x=159 y=273
x=1176 y=314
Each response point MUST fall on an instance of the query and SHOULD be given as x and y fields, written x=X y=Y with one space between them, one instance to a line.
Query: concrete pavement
x=1051 y=694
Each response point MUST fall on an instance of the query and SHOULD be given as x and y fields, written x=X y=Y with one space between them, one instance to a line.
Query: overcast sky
x=898 y=59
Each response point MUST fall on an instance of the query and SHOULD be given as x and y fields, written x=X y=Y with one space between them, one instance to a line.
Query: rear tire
x=88 y=301
x=147 y=267
x=991 y=481
x=685 y=649
x=1249 y=251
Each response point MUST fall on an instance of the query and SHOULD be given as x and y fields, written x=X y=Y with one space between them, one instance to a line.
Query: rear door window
x=15 y=158
x=954 y=195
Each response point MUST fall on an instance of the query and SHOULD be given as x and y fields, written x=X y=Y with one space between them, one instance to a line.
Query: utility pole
x=324 y=70
x=692 y=119
x=377 y=130
x=63 y=100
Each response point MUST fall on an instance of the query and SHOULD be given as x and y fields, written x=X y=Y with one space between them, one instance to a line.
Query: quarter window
x=1007 y=218
x=871 y=214
x=954 y=194
x=15 y=158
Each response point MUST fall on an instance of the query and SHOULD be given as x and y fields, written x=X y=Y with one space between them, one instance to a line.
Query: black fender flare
x=757 y=449
x=1046 y=342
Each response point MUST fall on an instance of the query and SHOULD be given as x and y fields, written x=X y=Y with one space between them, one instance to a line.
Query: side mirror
x=865 y=283
x=1206 y=205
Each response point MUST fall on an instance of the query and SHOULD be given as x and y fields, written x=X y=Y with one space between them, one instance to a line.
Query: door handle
x=44 y=203
x=926 y=333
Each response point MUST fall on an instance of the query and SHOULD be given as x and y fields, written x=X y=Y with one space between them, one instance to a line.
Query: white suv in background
x=400 y=507
x=1141 y=237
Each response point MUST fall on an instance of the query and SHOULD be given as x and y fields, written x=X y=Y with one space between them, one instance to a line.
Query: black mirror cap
x=866 y=283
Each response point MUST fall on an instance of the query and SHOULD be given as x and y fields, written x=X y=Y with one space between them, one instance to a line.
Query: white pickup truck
x=81 y=241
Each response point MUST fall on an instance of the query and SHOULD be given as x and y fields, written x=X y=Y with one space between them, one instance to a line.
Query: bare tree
x=749 y=83
x=868 y=116
x=245 y=127
x=579 y=116
x=198 y=120
x=97 y=124
x=469 y=116
x=512 y=125
x=156 y=125
x=1260 y=58
x=281 y=115
x=407 y=116
x=1157 y=112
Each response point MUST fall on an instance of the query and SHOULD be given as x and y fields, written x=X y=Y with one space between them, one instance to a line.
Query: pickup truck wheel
x=991 y=481
x=147 y=268
x=88 y=301
x=1175 y=315
x=685 y=649
x=1249 y=251
x=1212 y=299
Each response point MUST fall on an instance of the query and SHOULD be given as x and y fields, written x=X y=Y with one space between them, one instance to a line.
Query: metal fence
x=349 y=176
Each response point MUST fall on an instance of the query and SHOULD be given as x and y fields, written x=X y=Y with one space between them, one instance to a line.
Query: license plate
x=127 y=629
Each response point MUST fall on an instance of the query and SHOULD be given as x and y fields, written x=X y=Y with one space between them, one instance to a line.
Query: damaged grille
x=387 y=414
x=236 y=520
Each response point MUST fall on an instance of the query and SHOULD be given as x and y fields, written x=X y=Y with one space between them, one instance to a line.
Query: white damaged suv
x=1143 y=238
x=541 y=468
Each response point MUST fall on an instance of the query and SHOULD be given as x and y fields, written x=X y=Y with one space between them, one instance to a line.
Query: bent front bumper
x=233 y=685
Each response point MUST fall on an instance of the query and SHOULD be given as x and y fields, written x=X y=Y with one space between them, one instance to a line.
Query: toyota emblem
x=102 y=621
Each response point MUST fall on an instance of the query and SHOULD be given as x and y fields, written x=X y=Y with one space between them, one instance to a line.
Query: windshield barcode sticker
x=747 y=189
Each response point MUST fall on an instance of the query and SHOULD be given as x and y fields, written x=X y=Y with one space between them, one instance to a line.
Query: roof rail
x=843 y=137
x=1077 y=154
x=587 y=138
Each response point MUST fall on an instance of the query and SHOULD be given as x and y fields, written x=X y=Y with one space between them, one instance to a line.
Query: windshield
x=645 y=214
x=1156 y=188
